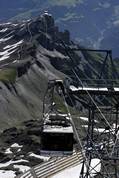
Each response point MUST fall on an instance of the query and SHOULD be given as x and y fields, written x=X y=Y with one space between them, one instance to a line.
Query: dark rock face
x=65 y=36
x=11 y=131
x=48 y=21
x=21 y=144
x=23 y=69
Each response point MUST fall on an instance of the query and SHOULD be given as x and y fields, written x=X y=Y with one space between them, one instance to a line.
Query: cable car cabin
x=57 y=135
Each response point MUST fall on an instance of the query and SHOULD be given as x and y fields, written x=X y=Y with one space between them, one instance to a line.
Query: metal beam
x=110 y=93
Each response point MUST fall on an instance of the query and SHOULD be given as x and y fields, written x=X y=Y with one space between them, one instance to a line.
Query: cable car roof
x=57 y=129
x=57 y=123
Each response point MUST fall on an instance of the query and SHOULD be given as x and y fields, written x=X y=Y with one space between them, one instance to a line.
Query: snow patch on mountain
x=5 y=39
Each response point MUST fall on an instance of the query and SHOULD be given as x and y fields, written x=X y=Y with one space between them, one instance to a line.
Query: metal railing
x=107 y=83
x=53 y=166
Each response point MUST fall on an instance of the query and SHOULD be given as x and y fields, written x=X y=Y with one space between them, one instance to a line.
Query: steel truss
x=102 y=145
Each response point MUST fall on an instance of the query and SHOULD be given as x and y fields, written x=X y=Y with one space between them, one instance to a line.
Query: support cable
x=94 y=147
x=93 y=101
x=79 y=141
x=82 y=85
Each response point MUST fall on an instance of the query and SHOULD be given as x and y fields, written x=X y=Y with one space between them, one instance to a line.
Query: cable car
x=57 y=130
x=57 y=135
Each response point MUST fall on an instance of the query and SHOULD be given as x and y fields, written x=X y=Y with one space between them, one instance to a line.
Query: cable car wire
x=93 y=145
x=83 y=86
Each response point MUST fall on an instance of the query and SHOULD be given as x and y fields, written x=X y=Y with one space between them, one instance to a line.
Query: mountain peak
x=17 y=39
